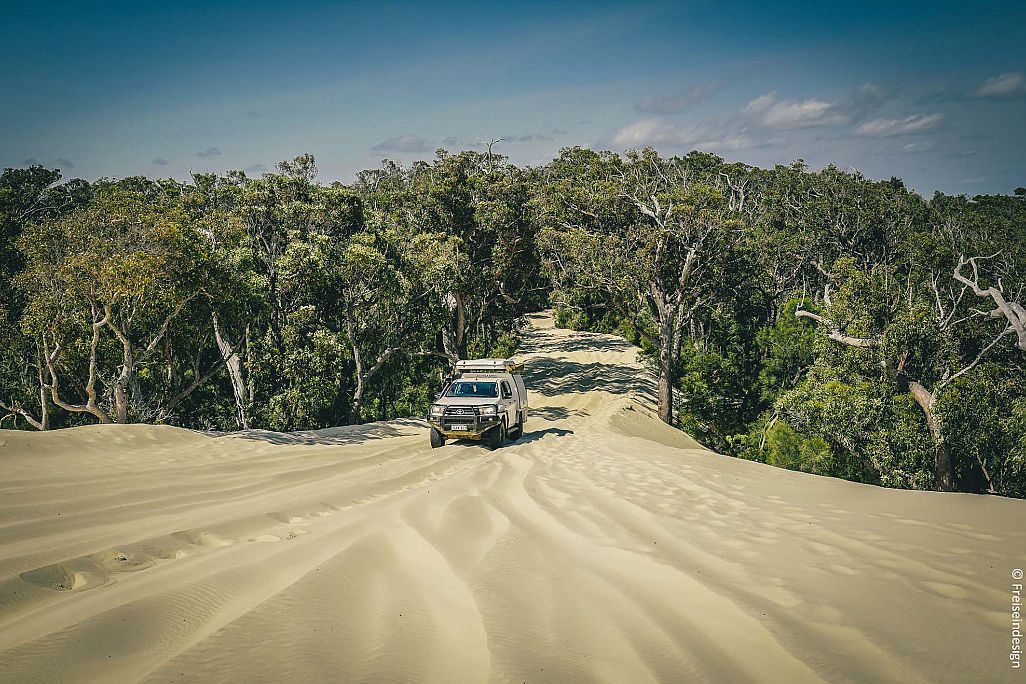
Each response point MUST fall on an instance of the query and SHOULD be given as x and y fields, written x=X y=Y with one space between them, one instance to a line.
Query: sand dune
x=603 y=546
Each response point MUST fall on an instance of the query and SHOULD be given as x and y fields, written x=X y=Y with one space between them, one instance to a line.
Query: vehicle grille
x=461 y=411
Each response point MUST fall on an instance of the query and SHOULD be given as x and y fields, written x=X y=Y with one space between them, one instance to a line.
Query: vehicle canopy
x=489 y=366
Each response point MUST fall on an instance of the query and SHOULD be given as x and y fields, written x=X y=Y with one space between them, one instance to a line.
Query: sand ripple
x=602 y=546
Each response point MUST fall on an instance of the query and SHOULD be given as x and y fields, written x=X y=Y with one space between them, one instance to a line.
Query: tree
x=1011 y=311
x=483 y=207
x=213 y=202
x=646 y=233
x=927 y=344
x=26 y=196
x=119 y=270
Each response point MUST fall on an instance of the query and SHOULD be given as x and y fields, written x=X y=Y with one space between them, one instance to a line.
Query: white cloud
x=729 y=143
x=868 y=94
x=653 y=131
x=713 y=136
x=760 y=104
x=916 y=123
x=920 y=146
x=792 y=114
x=403 y=143
x=1003 y=85
x=738 y=141
x=800 y=114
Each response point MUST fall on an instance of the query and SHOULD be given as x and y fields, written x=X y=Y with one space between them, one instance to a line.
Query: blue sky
x=934 y=93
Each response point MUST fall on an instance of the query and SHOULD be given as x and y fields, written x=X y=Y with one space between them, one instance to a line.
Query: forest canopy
x=815 y=320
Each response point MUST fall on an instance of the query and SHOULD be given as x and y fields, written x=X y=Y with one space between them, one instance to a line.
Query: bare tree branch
x=1012 y=312
x=834 y=331
x=17 y=409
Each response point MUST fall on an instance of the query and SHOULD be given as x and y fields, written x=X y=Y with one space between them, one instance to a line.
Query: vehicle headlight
x=487 y=410
x=437 y=409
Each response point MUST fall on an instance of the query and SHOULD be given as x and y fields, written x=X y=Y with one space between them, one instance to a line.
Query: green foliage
x=865 y=381
x=986 y=419
x=785 y=448
x=712 y=387
x=861 y=431
x=808 y=319
x=787 y=348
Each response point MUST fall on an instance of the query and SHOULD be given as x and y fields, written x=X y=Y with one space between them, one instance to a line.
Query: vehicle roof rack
x=489 y=366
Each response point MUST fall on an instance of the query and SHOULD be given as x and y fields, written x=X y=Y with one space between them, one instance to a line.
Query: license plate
x=459 y=427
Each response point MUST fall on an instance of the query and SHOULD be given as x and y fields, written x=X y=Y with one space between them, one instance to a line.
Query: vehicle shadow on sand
x=338 y=436
x=541 y=434
x=526 y=439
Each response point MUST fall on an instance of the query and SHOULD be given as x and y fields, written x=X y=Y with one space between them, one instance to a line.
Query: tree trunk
x=943 y=466
x=127 y=368
x=454 y=331
x=666 y=344
x=44 y=404
x=91 y=406
x=251 y=387
x=234 y=363
x=354 y=418
x=121 y=386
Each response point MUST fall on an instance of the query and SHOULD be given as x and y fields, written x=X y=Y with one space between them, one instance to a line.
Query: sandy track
x=603 y=546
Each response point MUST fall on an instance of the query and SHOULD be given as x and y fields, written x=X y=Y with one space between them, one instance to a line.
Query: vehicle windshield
x=473 y=389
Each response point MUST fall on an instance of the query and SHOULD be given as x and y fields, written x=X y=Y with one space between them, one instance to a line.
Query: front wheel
x=437 y=439
x=496 y=436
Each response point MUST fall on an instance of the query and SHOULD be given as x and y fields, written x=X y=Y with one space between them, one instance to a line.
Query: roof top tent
x=489 y=366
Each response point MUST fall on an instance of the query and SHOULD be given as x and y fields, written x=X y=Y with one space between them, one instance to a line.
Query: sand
x=603 y=546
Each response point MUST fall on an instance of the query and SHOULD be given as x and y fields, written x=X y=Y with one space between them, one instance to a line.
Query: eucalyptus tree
x=481 y=208
x=119 y=274
x=647 y=235
x=916 y=316
x=281 y=208
x=238 y=307
x=284 y=215
x=27 y=196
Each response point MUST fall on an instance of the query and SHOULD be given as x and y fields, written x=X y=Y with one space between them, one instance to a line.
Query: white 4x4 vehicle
x=487 y=401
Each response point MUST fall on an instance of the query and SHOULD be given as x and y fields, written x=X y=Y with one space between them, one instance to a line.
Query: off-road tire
x=517 y=431
x=437 y=439
x=496 y=436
